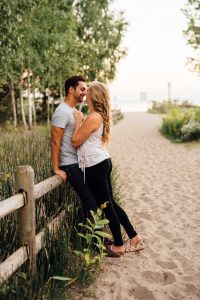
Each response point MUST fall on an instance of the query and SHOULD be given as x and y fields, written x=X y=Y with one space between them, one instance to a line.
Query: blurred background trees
x=192 y=13
x=42 y=42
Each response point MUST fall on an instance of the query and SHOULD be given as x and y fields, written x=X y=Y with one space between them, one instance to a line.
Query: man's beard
x=80 y=99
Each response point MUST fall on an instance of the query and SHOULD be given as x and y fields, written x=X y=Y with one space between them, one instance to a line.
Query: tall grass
x=57 y=258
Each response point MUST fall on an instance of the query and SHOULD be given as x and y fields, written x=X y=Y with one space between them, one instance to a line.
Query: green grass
x=181 y=121
x=182 y=124
x=57 y=258
x=167 y=106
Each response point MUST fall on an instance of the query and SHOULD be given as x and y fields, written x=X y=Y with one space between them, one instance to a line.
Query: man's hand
x=61 y=173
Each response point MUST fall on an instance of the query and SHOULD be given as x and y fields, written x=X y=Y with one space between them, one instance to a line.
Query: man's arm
x=56 y=139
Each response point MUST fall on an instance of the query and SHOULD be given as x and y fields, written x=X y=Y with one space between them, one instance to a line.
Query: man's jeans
x=75 y=178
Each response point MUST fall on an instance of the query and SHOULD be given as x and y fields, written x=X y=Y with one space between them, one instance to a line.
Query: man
x=63 y=154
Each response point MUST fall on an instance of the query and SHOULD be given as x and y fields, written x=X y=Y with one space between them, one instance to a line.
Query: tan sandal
x=137 y=248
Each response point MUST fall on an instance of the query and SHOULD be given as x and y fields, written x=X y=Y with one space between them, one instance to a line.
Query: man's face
x=80 y=91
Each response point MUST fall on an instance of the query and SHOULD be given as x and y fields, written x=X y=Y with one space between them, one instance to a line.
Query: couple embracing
x=79 y=155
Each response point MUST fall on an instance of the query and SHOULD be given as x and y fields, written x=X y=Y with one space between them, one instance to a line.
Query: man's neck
x=70 y=101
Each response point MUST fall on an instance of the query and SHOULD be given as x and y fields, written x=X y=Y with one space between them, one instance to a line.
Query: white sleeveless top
x=92 y=151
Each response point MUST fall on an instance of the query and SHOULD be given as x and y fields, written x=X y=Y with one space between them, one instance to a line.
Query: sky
x=157 y=54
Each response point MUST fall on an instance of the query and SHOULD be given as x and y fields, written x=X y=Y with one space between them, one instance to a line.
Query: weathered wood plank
x=12 y=263
x=47 y=185
x=11 y=204
x=15 y=260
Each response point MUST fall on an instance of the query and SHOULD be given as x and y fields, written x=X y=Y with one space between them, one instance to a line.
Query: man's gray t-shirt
x=63 y=117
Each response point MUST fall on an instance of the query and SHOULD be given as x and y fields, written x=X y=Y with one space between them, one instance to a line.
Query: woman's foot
x=136 y=240
x=135 y=244
x=118 y=250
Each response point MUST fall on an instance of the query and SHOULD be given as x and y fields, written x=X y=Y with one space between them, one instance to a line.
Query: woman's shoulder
x=94 y=120
x=95 y=116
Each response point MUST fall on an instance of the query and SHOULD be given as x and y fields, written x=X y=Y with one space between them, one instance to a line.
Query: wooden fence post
x=26 y=214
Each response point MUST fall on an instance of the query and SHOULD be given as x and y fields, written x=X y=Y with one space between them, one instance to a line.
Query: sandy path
x=163 y=200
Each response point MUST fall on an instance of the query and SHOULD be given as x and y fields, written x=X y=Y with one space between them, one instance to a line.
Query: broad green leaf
x=103 y=222
x=90 y=223
x=103 y=234
x=82 y=235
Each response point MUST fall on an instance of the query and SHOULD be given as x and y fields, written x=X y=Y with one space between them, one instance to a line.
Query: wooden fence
x=24 y=203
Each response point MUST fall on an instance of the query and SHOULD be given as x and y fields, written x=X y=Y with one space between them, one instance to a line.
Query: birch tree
x=192 y=33
x=100 y=32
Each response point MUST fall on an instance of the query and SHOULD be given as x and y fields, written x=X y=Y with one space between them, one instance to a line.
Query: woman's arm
x=83 y=129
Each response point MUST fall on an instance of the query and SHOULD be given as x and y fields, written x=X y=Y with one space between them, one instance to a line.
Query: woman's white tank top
x=92 y=151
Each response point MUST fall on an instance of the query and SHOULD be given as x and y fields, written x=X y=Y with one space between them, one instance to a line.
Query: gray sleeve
x=60 y=118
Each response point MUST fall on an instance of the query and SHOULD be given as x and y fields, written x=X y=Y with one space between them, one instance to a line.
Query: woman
x=91 y=136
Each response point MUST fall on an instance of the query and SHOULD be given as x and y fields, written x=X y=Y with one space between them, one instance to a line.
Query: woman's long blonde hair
x=101 y=102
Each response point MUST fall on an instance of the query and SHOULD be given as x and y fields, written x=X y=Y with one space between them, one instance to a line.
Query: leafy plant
x=191 y=131
x=93 y=237
x=182 y=124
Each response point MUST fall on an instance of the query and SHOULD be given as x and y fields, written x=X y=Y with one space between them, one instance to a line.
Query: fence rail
x=24 y=204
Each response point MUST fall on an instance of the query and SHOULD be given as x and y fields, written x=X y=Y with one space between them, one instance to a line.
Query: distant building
x=143 y=96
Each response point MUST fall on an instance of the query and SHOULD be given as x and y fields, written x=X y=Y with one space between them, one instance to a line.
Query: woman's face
x=88 y=97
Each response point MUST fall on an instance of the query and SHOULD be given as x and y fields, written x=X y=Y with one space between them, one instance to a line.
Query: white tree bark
x=30 y=120
x=13 y=104
x=22 y=106
x=33 y=105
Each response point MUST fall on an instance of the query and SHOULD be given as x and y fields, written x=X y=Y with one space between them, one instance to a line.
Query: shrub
x=190 y=131
x=116 y=115
x=181 y=124
x=162 y=107
x=197 y=115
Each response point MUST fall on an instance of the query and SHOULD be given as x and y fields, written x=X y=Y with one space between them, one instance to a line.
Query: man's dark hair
x=72 y=81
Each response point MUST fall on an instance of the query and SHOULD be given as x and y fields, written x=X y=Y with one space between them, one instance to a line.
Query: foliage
x=44 y=42
x=93 y=239
x=162 y=107
x=57 y=258
x=166 y=106
x=182 y=125
x=117 y=115
x=99 y=33
x=192 y=33
x=191 y=131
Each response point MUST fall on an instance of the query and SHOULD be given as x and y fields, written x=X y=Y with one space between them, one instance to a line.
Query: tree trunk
x=13 y=104
x=29 y=103
x=34 y=110
x=48 y=107
x=61 y=90
x=52 y=107
x=22 y=106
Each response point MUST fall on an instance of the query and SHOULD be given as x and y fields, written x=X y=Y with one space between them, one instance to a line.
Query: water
x=139 y=106
x=132 y=106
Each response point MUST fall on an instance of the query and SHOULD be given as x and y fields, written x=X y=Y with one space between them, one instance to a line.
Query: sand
x=162 y=185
